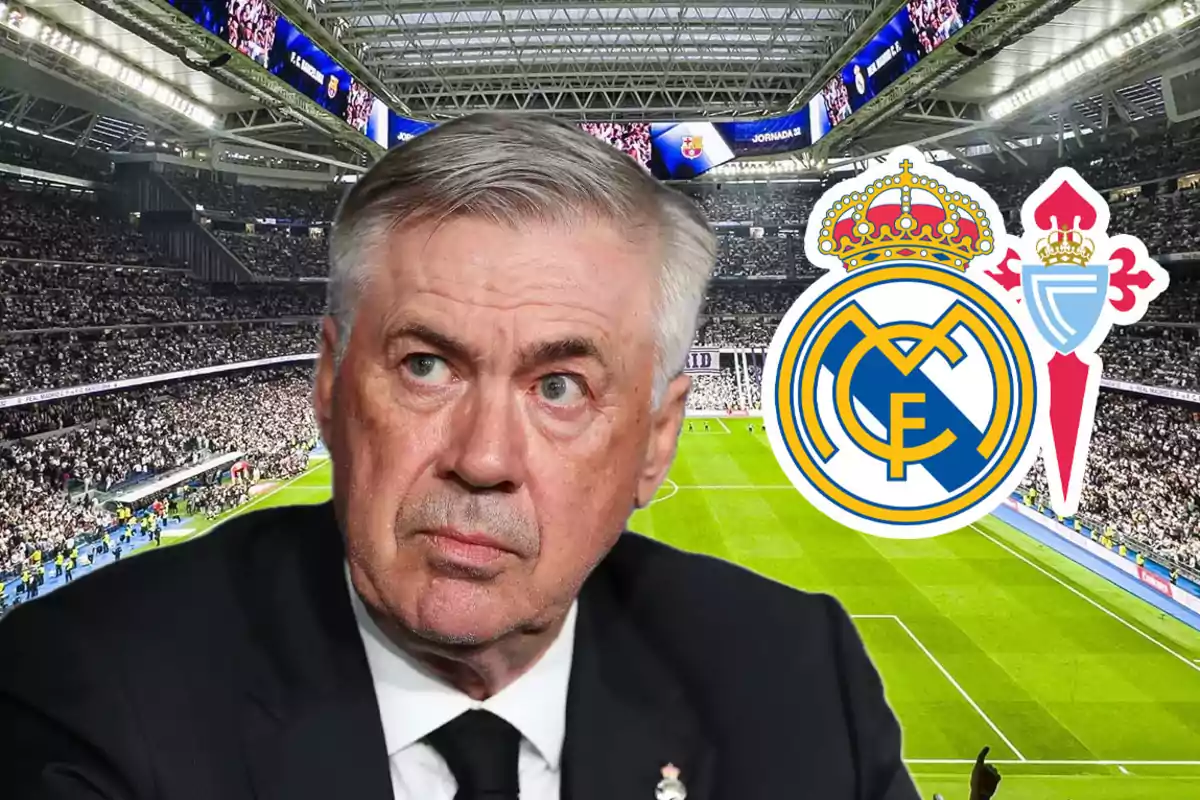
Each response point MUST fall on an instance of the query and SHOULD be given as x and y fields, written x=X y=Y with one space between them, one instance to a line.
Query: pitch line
x=736 y=486
x=674 y=491
x=1081 y=595
x=279 y=488
x=721 y=422
x=1035 y=762
x=946 y=673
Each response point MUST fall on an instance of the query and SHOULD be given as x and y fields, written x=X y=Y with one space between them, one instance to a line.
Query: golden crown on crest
x=1065 y=246
x=906 y=217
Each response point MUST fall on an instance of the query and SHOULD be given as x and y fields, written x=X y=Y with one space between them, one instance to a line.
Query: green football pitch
x=983 y=636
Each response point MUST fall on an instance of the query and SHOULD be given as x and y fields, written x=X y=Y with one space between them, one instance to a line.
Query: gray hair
x=519 y=168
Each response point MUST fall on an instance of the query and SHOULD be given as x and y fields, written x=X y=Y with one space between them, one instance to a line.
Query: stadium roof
x=594 y=58
x=1054 y=69
x=84 y=20
x=598 y=60
x=1081 y=23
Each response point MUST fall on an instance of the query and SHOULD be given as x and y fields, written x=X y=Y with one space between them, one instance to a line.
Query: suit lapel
x=310 y=721
x=627 y=714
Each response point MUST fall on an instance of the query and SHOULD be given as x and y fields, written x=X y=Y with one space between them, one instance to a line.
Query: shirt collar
x=413 y=702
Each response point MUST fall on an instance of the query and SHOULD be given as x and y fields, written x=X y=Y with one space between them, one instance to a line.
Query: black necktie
x=481 y=750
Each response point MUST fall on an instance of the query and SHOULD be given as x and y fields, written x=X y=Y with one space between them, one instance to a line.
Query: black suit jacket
x=231 y=668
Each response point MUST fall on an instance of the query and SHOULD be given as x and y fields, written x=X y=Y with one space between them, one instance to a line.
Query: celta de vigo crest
x=903 y=393
x=1074 y=282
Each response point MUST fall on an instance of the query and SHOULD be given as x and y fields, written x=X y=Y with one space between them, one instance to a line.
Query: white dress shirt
x=414 y=703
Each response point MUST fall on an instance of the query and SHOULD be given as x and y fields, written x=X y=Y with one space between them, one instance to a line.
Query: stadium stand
x=279 y=252
x=68 y=226
x=30 y=362
x=265 y=414
x=249 y=202
x=1143 y=476
x=758 y=278
x=1154 y=355
x=50 y=295
x=776 y=204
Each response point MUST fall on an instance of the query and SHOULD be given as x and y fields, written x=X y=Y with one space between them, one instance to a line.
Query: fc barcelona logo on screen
x=331 y=88
x=692 y=146
x=902 y=393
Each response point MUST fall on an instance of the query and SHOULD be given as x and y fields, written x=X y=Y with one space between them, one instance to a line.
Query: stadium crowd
x=249 y=202
x=41 y=297
x=265 y=414
x=778 y=203
x=278 y=253
x=631 y=139
x=1153 y=355
x=38 y=296
x=32 y=362
x=1143 y=466
x=732 y=388
x=57 y=224
x=775 y=257
x=1143 y=475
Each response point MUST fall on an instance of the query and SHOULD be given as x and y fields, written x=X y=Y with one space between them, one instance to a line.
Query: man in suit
x=499 y=385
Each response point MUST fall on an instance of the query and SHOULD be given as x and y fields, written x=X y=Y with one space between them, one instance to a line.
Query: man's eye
x=427 y=368
x=559 y=389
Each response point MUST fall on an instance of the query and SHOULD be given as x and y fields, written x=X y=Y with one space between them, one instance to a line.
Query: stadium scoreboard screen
x=915 y=31
x=687 y=149
x=257 y=30
x=631 y=138
x=676 y=150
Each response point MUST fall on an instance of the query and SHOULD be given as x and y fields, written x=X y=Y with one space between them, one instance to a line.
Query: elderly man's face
x=491 y=424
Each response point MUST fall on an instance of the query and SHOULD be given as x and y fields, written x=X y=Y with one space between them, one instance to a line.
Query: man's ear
x=325 y=377
x=665 y=425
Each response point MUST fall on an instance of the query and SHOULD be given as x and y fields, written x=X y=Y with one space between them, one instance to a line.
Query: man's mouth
x=466 y=547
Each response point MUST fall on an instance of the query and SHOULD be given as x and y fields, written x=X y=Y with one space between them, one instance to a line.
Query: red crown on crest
x=906 y=217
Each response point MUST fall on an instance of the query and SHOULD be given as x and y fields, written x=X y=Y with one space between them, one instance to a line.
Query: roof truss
x=620 y=60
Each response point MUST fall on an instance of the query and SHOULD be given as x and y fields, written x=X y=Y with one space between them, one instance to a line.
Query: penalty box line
x=946 y=673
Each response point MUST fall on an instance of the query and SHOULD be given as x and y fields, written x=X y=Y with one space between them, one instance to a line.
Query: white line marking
x=1083 y=596
x=721 y=422
x=281 y=487
x=1123 y=770
x=1035 y=762
x=960 y=689
x=729 y=486
x=178 y=532
x=675 y=487
x=948 y=677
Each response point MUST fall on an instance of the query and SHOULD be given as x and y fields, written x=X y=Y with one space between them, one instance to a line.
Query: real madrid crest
x=902 y=392
x=670 y=787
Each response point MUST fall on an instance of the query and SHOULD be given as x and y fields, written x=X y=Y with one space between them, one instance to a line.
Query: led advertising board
x=257 y=30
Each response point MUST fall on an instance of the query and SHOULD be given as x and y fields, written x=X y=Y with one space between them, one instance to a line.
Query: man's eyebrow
x=560 y=350
x=446 y=344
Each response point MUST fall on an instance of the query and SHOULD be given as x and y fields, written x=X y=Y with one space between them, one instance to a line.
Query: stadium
x=169 y=173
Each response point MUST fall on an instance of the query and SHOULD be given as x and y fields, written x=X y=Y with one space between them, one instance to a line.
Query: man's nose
x=488 y=438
